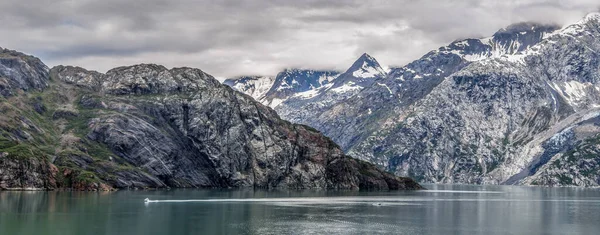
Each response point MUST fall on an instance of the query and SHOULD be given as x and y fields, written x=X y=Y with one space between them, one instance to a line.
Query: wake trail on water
x=375 y=201
x=313 y=199
x=327 y=200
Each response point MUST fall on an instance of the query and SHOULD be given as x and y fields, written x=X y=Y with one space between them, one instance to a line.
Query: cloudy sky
x=258 y=37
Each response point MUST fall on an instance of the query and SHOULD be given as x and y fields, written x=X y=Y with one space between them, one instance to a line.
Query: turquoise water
x=445 y=209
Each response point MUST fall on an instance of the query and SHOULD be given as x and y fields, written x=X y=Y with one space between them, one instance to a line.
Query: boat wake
x=374 y=201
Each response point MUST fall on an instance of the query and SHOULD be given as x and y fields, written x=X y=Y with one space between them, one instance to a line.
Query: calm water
x=444 y=209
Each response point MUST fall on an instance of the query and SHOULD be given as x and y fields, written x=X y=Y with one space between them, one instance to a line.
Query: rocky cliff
x=146 y=126
x=255 y=86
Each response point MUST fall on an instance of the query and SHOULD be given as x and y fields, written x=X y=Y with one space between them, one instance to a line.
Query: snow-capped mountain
x=524 y=111
x=351 y=118
x=301 y=86
x=272 y=91
x=255 y=86
x=306 y=107
x=363 y=72
x=291 y=82
x=519 y=107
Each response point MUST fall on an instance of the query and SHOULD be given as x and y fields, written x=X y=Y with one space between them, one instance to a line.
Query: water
x=445 y=209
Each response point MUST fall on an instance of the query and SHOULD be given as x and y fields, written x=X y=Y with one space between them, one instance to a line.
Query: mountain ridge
x=512 y=105
x=146 y=126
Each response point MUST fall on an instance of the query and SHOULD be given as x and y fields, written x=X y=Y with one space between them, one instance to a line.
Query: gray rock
x=146 y=126
x=20 y=71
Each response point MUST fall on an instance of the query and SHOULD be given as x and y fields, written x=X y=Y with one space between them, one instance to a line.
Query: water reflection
x=445 y=209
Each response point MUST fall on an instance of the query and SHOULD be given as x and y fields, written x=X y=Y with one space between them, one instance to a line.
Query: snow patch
x=312 y=93
x=573 y=91
x=275 y=102
x=367 y=71
x=350 y=86
x=386 y=87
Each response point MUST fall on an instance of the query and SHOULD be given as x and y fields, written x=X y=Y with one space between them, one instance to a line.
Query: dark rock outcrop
x=20 y=71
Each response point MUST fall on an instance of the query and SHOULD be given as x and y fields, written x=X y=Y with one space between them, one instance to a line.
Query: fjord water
x=444 y=209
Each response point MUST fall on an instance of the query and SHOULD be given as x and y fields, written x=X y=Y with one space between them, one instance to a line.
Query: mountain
x=291 y=82
x=352 y=120
x=363 y=72
x=146 y=126
x=296 y=89
x=518 y=107
x=255 y=86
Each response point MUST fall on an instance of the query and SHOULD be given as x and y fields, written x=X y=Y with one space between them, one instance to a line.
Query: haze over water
x=444 y=209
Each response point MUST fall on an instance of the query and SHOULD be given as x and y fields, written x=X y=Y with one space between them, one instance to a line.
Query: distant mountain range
x=519 y=107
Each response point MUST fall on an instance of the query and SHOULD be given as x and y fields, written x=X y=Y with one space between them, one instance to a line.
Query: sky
x=229 y=38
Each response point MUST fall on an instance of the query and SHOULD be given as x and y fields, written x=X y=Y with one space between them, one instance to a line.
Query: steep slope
x=351 y=118
x=519 y=107
x=291 y=82
x=20 y=71
x=147 y=126
x=363 y=72
x=523 y=118
x=255 y=86
x=307 y=107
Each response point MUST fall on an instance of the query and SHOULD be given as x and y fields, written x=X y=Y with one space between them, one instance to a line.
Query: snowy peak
x=366 y=67
x=363 y=72
x=590 y=21
x=255 y=86
x=298 y=80
x=512 y=40
x=519 y=37
x=591 y=17
x=514 y=30
x=293 y=81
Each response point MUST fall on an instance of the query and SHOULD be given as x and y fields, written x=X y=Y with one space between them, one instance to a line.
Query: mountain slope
x=510 y=119
x=519 y=107
x=307 y=108
x=147 y=126
x=350 y=121
x=291 y=82
x=255 y=86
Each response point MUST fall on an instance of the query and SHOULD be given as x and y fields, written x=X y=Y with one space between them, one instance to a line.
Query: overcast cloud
x=260 y=37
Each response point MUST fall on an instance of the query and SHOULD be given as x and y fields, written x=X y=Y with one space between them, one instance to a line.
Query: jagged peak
x=304 y=70
x=581 y=25
x=245 y=79
x=594 y=16
x=5 y=52
x=526 y=27
x=367 y=57
x=366 y=66
x=21 y=71
x=248 y=77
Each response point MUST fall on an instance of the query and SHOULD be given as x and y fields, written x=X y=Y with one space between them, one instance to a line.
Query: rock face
x=318 y=108
x=500 y=119
x=287 y=84
x=29 y=174
x=147 y=126
x=255 y=86
x=20 y=71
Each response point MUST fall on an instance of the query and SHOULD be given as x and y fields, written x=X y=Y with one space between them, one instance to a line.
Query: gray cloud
x=229 y=38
